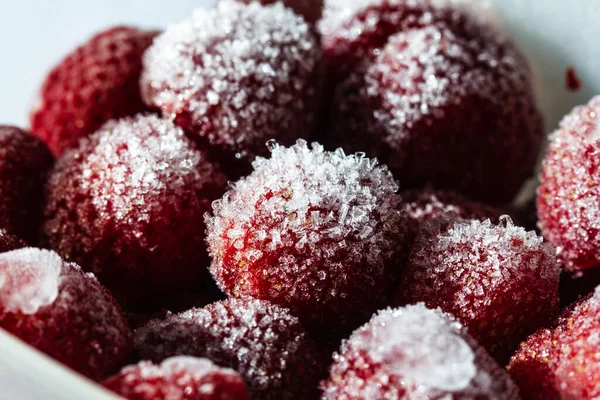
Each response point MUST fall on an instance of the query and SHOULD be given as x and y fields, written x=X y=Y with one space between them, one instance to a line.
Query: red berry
x=563 y=362
x=427 y=208
x=56 y=307
x=569 y=193
x=235 y=77
x=315 y=231
x=97 y=82
x=262 y=341
x=415 y=353
x=178 y=378
x=500 y=281
x=309 y=9
x=128 y=205
x=24 y=164
x=451 y=106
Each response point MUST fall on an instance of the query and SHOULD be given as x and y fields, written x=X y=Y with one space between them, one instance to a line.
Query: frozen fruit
x=24 y=165
x=235 y=77
x=309 y=9
x=265 y=343
x=445 y=105
x=562 y=362
x=97 y=82
x=415 y=353
x=178 y=378
x=568 y=206
x=128 y=205
x=56 y=307
x=318 y=232
x=500 y=281
x=423 y=209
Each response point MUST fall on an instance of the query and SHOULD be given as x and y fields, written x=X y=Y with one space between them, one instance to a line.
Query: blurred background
x=36 y=34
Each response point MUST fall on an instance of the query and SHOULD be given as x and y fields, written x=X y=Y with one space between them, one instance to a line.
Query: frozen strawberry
x=265 y=343
x=178 y=378
x=318 y=232
x=128 y=205
x=563 y=362
x=235 y=77
x=309 y=9
x=500 y=281
x=97 y=82
x=415 y=353
x=24 y=165
x=569 y=194
x=445 y=104
x=427 y=208
x=56 y=307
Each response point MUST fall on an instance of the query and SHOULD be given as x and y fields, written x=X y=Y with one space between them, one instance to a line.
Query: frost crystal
x=28 y=279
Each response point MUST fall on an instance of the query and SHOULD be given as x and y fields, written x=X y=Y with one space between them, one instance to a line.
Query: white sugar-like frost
x=425 y=347
x=29 y=279
x=158 y=158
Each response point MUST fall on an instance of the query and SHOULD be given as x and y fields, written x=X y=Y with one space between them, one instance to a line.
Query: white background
x=36 y=34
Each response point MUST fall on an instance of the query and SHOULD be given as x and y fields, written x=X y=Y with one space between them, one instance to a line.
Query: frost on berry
x=567 y=202
x=415 y=352
x=128 y=205
x=24 y=165
x=315 y=231
x=28 y=280
x=450 y=104
x=562 y=362
x=178 y=378
x=236 y=76
x=265 y=343
x=498 y=280
x=64 y=312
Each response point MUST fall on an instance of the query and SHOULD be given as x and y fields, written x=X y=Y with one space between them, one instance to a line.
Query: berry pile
x=161 y=280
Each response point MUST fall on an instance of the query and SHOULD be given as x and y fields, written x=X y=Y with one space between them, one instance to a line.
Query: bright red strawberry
x=563 y=362
x=96 y=82
x=569 y=193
